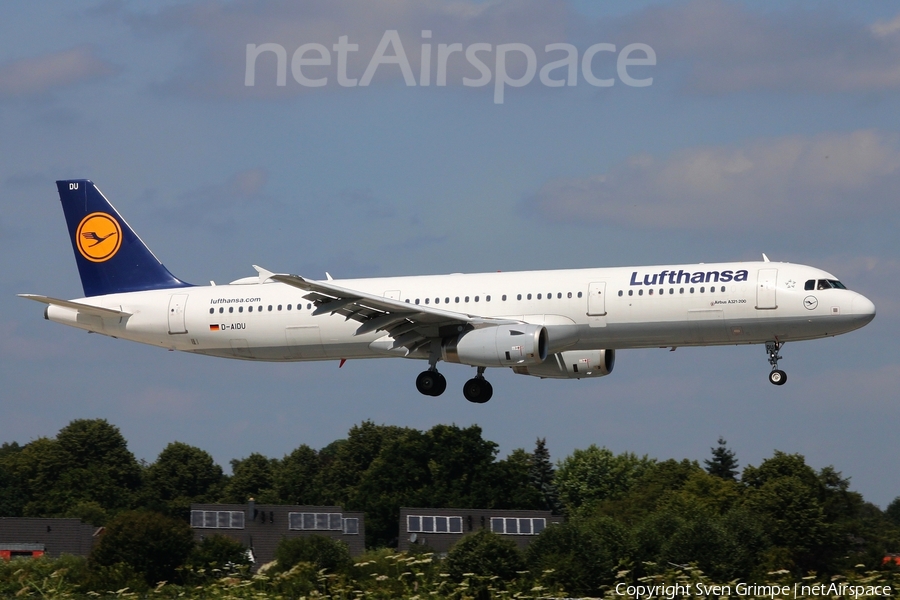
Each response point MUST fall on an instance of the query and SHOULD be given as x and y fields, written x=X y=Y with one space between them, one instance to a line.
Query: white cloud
x=38 y=75
x=774 y=184
x=729 y=47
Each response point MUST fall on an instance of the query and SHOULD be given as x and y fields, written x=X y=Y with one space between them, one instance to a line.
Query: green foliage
x=295 y=477
x=892 y=512
x=579 y=556
x=252 y=477
x=151 y=546
x=181 y=475
x=323 y=552
x=486 y=554
x=723 y=463
x=543 y=478
x=216 y=553
x=89 y=461
x=589 y=476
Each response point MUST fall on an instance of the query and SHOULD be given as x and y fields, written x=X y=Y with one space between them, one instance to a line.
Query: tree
x=295 y=477
x=542 y=477
x=252 y=477
x=12 y=494
x=218 y=552
x=151 y=544
x=723 y=463
x=181 y=475
x=892 y=512
x=89 y=461
x=589 y=476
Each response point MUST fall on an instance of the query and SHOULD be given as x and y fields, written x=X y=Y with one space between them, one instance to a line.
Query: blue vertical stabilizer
x=111 y=257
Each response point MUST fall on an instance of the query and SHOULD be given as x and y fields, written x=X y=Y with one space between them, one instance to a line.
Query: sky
x=697 y=131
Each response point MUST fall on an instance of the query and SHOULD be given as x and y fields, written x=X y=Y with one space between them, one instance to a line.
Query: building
x=35 y=537
x=260 y=527
x=440 y=528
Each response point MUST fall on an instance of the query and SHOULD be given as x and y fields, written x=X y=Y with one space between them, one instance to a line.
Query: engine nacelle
x=500 y=346
x=575 y=364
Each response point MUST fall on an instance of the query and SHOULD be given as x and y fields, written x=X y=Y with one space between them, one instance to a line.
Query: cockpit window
x=837 y=284
x=810 y=284
x=827 y=284
x=823 y=285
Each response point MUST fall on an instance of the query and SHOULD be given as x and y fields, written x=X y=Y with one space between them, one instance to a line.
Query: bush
x=218 y=552
x=323 y=552
x=485 y=554
x=151 y=545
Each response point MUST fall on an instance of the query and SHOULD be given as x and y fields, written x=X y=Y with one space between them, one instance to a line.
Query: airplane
x=559 y=324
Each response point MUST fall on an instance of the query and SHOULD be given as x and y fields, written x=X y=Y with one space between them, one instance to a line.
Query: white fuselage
x=582 y=309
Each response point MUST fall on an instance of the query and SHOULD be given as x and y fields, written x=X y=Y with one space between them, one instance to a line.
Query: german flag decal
x=213 y=327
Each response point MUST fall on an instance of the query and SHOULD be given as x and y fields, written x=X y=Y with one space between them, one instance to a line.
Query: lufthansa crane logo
x=98 y=237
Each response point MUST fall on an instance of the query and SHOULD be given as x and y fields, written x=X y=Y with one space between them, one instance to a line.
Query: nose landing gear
x=776 y=376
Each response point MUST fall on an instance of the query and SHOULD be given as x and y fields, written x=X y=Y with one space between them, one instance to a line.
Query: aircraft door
x=597 y=299
x=765 y=289
x=177 y=303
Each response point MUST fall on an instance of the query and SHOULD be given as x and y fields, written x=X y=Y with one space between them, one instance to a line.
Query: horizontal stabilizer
x=83 y=308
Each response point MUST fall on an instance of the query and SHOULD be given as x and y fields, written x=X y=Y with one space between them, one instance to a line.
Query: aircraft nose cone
x=863 y=308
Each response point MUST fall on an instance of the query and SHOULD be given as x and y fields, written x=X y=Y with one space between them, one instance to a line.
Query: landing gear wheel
x=431 y=383
x=778 y=377
x=478 y=390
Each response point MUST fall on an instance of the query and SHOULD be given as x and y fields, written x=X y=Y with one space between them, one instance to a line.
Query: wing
x=83 y=308
x=411 y=326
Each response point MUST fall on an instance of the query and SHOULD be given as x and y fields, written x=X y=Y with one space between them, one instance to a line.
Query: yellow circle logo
x=98 y=237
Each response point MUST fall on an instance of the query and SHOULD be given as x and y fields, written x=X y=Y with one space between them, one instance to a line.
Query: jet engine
x=499 y=346
x=575 y=364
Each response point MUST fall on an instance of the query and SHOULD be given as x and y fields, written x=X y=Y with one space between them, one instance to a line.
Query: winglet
x=328 y=276
x=765 y=258
x=264 y=274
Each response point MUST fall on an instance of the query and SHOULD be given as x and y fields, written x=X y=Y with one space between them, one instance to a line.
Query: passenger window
x=702 y=289
x=519 y=297
x=437 y=300
x=692 y=290
x=231 y=309
x=641 y=292
x=309 y=306
x=212 y=310
x=290 y=306
x=487 y=298
x=476 y=298
x=680 y=290
x=259 y=309
x=529 y=296
x=559 y=295
x=240 y=309
x=427 y=300
x=446 y=300
x=503 y=297
x=249 y=309
x=579 y=294
x=270 y=308
x=569 y=295
x=631 y=292
x=417 y=300
x=650 y=292
x=279 y=307
x=538 y=296
x=810 y=284
x=620 y=293
x=467 y=298
x=457 y=300
x=723 y=288
x=671 y=291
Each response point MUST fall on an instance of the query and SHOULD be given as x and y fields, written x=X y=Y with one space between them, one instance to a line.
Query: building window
x=351 y=526
x=429 y=524
x=517 y=525
x=315 y=521
x=217 y=519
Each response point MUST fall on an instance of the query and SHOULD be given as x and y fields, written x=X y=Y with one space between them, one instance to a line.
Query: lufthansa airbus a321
x=562 y=324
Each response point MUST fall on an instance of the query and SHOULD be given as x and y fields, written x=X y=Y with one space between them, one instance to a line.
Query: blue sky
x=768 y=127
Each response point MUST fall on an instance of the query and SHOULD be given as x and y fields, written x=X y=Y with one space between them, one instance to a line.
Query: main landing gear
x=477 y=389
x=777 y=376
